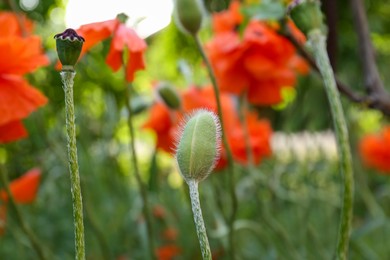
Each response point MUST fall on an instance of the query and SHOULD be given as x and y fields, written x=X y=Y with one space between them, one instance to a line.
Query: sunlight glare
x=146 y=17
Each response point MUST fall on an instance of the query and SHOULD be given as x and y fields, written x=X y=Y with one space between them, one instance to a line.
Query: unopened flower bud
x=69 y=45
x=188 y=15
x=198 y=149
x=169 y=95
x=307 y=15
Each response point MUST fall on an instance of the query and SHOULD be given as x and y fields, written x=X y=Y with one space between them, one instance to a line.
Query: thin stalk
x=226 y=145
x=317 y=42
x=198 y=219
x=19 y=216
x=67 y=80
x=244 y=122
x=141 y=185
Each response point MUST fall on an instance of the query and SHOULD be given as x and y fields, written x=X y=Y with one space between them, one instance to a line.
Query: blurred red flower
x=168 y=252
x=23 y=189
x=375 y=150
x=260 y=62
x=20 y=54
x=170 y=234
x=165 y=123
x=122 y=37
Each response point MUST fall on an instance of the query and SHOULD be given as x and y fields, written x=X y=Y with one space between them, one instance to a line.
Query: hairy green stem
x=19 y=216
x=229 y=153
x=67 y=80
x=143 y=191
x=317 y=42
x=198 y=219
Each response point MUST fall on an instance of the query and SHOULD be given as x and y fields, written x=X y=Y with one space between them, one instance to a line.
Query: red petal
x=21 y=55
x=94 y=33
x=24 y=189
x=12 y=131
x=18 y=99
x=114 y=58
x=10 y=24
x=134 y=64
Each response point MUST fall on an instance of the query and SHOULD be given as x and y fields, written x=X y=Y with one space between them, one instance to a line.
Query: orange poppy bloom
x=165 y=123
x=24 y=190
x=10 y=24
x=20 y=55
x=170 y=234
x=260 y=62
x=168 y=252
x=122 y=37
x=375 y=150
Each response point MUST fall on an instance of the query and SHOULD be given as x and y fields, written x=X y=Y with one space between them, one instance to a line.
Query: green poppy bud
x=307 y=15
x=169 y=95
x=69 y=45
x=188 y=15
x=198 y=149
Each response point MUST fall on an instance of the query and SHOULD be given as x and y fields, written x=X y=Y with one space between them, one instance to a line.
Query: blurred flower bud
x=139 y=104
x=306 y=15
x=169 y=95
x=198 y=149
x=188 y=15
x=69 y=45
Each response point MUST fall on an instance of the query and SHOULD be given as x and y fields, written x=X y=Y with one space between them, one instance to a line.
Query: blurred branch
x=377 y=94
x=378 y=98
x=330 y=10
x=346 y=90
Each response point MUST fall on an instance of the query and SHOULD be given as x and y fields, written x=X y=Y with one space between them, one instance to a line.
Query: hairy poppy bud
x=169 y=95
x=198 y=149
x=306 y=15
x=188 y=15
x=69 y=45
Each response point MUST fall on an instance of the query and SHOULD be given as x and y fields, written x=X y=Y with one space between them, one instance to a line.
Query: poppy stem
x=198 y=219
x=143 y=191
x=19 y=216
x=226 y=145
x=317 y=43
x=67 y=80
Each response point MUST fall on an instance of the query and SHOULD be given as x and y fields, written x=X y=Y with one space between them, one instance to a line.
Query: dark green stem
x=317 y=43
x=143 y=191
x=226 y=145
x=198 y=219
x=67 y=80
x=19 y=217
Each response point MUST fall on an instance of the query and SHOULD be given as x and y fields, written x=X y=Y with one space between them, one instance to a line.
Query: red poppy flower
x=122 y=37
x=170 y=234
x=261 y=62
x=375 y=150
x=24 y=190
x=10 y=24
x=165 y=122
x=168 y=252
x=19 y=55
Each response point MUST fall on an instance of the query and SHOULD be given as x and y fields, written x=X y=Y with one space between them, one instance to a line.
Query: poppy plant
x=260 y=62
x=122 y=37
x=165 y=123
x=23 y=189
x=20 y=54
x=375 y=150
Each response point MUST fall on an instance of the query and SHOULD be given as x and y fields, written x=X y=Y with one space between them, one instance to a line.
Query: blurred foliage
x=289 y=209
